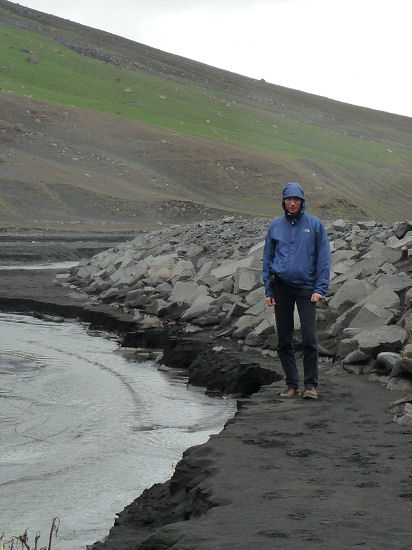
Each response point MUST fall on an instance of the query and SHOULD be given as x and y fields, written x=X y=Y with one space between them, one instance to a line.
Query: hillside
x=103 y=131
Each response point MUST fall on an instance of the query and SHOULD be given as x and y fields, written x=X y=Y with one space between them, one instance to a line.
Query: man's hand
x=270 y=301
x=316 y=297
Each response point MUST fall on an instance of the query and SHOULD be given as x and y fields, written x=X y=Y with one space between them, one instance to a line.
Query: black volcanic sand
x=331 y=474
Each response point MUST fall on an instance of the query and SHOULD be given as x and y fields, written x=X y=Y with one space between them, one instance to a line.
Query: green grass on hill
x=62 y=76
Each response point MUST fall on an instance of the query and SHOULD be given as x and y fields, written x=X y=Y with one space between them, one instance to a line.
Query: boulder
x=340 y=225
x=406 y=365
x=350 y=293
x=391 y=255
x=384 y=296
x=355 y=356
x=154 y=306
x=228 y=267
x=404 y=243
x=403 y=228
x=247 y=279
x=371 y=315
x=388 y=363
x=397 y=283
x=256 y=296
x=373 y=341
x=407 y=351
x=244 y=325
x=398 y=406
x=186 y=292
x=200 y=306
x=183 y=269
x=237 y=310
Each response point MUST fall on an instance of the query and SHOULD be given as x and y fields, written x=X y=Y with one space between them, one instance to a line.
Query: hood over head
x=293 y=190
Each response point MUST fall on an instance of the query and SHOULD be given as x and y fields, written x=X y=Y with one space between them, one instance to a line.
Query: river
x=84 y=428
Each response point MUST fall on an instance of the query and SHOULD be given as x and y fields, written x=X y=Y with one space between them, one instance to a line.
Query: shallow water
x=42 y=266
x=84 y=429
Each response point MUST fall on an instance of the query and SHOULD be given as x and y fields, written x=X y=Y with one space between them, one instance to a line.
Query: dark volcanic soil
x=283 y=474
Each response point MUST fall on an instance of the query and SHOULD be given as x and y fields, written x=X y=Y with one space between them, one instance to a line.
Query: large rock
x=200 y=306
x=247 y=279
x=161 y=266
x=228 y=267
x=373 y=341
x=350 y=293
x=405 y=243
x=384 y=296
x=361 y=269
x=186 y=292
x=379 y=250
x=398 y=283
x=388 y=363
x=244 y=325
x=403 y=228
x=371 y=315
x=183 y=269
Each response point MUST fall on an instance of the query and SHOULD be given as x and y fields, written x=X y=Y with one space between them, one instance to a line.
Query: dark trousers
x=286 y=297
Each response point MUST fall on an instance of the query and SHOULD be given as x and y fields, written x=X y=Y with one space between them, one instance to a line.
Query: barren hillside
x=101 y=131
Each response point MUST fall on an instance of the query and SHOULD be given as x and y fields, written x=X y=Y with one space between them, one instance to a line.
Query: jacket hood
x=293 y=190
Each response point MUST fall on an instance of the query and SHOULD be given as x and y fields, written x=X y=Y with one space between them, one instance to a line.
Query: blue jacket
x=297 y=249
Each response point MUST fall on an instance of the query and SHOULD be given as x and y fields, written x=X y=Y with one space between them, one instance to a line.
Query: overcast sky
x=357 y=51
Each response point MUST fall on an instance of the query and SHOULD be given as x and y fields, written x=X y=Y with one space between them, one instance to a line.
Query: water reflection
x=84 y=430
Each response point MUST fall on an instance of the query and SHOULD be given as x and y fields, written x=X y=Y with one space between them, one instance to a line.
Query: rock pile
x=208 y=276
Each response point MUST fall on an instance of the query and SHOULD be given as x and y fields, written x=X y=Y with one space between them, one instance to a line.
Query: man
x=296 y=268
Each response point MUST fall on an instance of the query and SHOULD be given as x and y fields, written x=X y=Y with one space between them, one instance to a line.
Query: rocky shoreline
x=284 y=474
x=206 y=277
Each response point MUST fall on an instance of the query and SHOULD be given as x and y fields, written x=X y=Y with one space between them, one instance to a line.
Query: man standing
x=296 y=269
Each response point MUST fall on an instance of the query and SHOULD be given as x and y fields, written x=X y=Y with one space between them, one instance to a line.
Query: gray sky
x=357 y=51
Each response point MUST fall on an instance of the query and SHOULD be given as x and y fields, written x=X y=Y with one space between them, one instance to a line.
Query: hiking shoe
x=290 y=392
x=310 y=393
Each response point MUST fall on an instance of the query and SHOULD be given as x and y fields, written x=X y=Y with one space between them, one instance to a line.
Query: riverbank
x=331 y=473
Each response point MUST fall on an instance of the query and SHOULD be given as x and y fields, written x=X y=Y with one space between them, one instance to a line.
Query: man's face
x=293 y=204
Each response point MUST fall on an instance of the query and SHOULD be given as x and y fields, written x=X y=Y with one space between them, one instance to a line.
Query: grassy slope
x=362 y=168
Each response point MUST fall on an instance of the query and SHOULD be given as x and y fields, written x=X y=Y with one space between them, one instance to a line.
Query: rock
x=372 y=341
x=407 y=351
x=200 y=306
x=244 y=325
x=339 y=225
x=405 y=243
x=396 y=283
x=399 y=384
x=183 y=269
x=257 y=296
x=187 y=292
x=371 y=315
x=355 y=356
x=408 y=298
x=347 y=346
x=388 y=362
x=247 y=279
x=398 y=406
x=369 y=224
x=154 y=306
x=384 y=296
x=228 y=267
x=172 y=310
x=350 y=293
x=391 y=255
x=403 y=228
x=353 y=369
x=406 y=365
